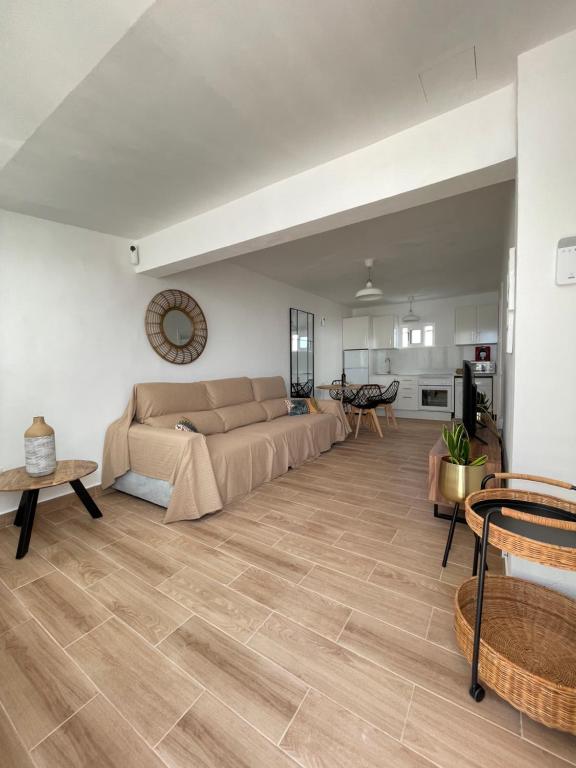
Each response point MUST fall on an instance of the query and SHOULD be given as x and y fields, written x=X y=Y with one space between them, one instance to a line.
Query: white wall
x=506 y=365
x=72 y=340
x=545 y=343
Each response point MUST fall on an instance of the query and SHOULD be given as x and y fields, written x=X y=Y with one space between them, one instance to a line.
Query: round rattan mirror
x=176 y=327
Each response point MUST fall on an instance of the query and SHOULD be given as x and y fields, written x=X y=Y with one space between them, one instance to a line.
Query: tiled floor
x=309 y=624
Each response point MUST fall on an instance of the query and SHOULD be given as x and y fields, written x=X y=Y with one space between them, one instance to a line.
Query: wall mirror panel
x=301 y=353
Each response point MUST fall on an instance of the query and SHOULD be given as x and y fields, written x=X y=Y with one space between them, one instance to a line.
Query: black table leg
x=27 y=522
x=477 y=543
x=85 y=498
x=18 y=519
x=450 y=535
x=444 y=516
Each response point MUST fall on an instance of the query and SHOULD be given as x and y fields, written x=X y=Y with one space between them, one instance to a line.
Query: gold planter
x=458 y=480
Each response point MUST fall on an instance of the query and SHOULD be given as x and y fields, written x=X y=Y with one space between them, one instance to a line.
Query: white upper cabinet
x=384 y=332
x=476 y=324
x=465 y=319
x=356 y=332
x=487 y=324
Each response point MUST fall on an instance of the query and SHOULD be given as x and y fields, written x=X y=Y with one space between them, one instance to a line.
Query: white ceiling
x=202 y=101
x=447 y=248
x=46 y=49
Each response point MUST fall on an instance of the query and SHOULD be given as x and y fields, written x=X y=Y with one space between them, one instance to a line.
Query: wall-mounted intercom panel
x=566 y=261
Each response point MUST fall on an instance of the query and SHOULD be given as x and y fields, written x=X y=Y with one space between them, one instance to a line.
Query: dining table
x=337 y=387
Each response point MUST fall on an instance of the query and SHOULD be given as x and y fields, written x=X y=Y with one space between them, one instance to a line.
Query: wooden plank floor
x=309 y=624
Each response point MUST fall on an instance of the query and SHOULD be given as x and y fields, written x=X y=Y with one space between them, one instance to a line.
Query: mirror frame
x=161 y=304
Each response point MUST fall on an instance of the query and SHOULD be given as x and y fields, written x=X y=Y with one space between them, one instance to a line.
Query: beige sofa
x=245 y=439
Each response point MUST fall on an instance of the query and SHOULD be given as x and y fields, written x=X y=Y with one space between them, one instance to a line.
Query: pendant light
x=411 y=317
x=369 y=293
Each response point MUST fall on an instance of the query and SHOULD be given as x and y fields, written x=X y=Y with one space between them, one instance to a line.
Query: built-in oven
x=436 y=395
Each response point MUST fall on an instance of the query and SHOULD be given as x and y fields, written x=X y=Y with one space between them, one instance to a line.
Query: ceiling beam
x=464 y=149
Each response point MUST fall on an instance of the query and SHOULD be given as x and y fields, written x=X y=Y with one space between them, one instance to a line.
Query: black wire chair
x=365 y=401
x=389 y=396
x=302 y=389
x=347 y=396
x=336 y=394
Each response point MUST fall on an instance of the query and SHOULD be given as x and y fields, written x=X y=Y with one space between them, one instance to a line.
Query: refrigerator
x=356 y=366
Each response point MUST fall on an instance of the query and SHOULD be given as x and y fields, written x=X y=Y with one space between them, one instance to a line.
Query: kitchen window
x=418 y=335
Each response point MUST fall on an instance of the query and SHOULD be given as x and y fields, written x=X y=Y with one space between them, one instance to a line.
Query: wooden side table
x=65 y=472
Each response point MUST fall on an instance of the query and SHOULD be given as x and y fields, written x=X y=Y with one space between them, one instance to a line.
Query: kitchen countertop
x=430 y=374
x=476 y=375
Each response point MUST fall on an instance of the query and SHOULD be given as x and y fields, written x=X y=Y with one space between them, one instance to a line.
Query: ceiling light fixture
x=411 y=316
x=369 y=293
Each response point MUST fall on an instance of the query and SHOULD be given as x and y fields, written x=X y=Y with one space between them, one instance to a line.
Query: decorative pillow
x=297 y=406
x=185 y=425
x=313 y=406
x=206 y=422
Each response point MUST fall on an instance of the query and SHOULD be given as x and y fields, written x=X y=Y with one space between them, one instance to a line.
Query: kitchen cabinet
x=487 y=324
x=465 y=322
x=356 y=332
x=384 y=332
x=476 y=324
x=407 y=398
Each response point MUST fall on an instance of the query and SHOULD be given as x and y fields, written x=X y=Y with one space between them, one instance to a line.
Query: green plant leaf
x=457 y=442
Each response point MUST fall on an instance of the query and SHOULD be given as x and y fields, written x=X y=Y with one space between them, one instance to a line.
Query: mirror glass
x=178 y=327
x=301 y=353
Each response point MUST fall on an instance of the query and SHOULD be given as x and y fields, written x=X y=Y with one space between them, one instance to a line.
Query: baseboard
x=58 y=502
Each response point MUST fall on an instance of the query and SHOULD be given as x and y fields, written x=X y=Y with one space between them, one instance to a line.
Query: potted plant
x=460 y=474
x=483 y=405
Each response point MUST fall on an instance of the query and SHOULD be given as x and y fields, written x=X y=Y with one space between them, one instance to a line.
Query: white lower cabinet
x=406 y=402
x=407 y=398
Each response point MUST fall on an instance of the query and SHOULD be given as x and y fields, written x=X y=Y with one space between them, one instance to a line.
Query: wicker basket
x=521 y=546
x=528 y=646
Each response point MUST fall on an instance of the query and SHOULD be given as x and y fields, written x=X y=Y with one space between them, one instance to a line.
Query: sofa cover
x=246 y=438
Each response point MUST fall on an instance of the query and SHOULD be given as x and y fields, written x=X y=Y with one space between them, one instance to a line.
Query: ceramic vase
x=39 y=448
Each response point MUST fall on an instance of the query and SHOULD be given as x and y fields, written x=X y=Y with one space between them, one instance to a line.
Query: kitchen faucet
x=388 y=365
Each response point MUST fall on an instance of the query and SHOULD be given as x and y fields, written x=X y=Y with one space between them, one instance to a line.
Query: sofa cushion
x=275 y=408
x=323 y=427
x=160 y=398
x=223 y=392
x=268 y=388
x=293 y=441
x=235 y=416
x=206 y=422
x=241 y=460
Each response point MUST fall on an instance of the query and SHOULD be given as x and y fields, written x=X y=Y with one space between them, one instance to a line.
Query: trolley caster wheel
x=477 y=692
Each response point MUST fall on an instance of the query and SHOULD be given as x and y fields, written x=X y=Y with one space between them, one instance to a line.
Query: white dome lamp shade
x=369 y=292
x=411 y=316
